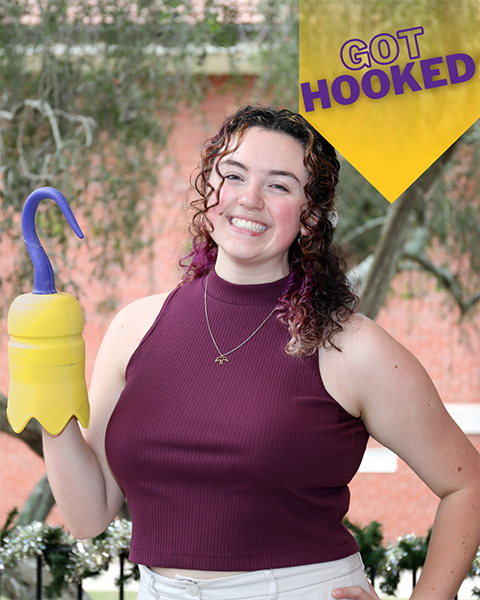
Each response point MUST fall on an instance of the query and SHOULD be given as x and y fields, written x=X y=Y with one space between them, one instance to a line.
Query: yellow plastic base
x=46 y=358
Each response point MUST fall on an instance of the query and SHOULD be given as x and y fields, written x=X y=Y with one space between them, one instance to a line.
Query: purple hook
x=44 y=280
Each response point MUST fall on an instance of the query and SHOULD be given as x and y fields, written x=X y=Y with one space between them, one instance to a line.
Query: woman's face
x=258 y=214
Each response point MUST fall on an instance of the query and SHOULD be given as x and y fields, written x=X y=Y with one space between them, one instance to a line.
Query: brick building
x=385 y=489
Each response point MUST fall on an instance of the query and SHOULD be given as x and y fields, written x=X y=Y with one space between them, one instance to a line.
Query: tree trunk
x=39 y=503
x=31 y=435
x=394 y=233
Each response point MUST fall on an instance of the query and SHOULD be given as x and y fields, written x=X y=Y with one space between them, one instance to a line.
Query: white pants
x=307 y=582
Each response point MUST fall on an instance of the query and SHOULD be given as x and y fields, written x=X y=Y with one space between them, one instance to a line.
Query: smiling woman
x=282 y=168
x=257 y=216
x=233 y=412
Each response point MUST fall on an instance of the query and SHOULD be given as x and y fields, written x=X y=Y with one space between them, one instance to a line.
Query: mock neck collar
x=257 y=294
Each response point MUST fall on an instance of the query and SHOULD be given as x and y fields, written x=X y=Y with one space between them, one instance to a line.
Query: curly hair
x=317 y=298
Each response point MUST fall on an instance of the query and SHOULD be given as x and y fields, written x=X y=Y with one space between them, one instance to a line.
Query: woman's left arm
x=401 y=409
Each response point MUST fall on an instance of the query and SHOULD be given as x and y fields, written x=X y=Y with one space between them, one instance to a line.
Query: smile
x=249 y=225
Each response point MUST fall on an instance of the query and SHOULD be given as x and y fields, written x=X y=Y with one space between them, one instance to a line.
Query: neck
x=248 y=274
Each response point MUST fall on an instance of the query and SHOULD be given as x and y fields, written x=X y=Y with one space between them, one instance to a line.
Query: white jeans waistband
x=265 y=584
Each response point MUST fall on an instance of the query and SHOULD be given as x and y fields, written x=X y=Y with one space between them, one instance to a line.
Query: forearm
x=454 y=542
x=77 y=482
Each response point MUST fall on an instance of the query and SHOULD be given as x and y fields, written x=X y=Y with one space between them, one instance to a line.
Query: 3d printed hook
x=44 y=279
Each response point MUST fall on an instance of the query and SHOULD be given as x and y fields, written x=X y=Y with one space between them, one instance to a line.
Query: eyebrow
x=236 y=163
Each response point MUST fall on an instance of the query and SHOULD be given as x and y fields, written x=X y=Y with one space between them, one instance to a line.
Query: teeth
x=250 y=225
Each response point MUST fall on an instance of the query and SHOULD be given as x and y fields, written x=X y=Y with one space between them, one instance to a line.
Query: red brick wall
x=20 y=468
x=424 y=325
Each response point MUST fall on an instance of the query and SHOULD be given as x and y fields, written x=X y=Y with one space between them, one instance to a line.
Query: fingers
x=355 y=593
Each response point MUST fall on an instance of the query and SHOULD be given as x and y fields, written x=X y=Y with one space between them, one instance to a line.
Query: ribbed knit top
x=237 y=466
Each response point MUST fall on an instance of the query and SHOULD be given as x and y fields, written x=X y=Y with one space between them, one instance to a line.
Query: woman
x=234 y=411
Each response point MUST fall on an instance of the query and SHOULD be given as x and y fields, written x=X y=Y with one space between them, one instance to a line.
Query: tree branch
x=364 y=227
x=394 y=233
x=45 y=109
x=446 y=278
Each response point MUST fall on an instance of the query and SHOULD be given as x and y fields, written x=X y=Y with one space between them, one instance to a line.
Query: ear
x=333 y=217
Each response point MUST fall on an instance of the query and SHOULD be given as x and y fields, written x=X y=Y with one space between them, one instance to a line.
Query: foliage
x=9 y=525
x=71 y=117
x=475 y=572
x=451 y=216
x=356 y=196
x=89 y=94
x=71 y=561
x=369 y=540
x=443 y=240
x=56 y=557
x=475 y=568
x=68 y=560
x=278 y=53
x=408 y=554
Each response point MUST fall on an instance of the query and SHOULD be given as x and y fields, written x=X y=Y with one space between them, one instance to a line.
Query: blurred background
x=110 y=102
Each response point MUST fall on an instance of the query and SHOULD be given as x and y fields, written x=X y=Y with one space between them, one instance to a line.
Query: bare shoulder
x=133 y=321
x=360 y=331
x=379 y=380
x=342 y=365
x=367 y=366
x=142 y=308
x=128 y=328
x=123 y=336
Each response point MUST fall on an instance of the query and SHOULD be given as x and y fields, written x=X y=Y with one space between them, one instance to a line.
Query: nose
x=252 y=197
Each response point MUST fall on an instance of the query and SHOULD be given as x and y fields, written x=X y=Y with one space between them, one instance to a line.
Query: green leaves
x=89 y=94
x=369 y=540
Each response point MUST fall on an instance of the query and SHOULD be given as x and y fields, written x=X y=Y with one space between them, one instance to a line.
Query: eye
x=233 y=177
x=279 y=186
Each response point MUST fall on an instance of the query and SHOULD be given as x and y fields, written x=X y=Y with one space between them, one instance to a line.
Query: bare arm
x=401 y=408
x=85 y=489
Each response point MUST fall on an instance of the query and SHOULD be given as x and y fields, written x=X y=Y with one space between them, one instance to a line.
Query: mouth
x=248 y=225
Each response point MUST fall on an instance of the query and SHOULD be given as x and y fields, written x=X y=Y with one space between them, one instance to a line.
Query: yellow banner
x=391 y=84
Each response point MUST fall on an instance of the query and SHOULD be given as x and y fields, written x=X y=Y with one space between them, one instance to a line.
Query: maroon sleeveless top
x=237 y=466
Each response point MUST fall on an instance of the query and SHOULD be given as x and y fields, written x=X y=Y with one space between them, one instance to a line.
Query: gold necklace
x=222 y=357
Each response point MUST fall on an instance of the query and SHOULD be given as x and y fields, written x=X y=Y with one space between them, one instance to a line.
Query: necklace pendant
x=221 y=359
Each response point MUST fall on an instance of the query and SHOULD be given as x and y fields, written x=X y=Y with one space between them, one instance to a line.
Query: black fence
x=41 y=561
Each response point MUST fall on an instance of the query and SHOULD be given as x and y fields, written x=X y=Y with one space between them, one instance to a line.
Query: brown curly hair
x=317 y=298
